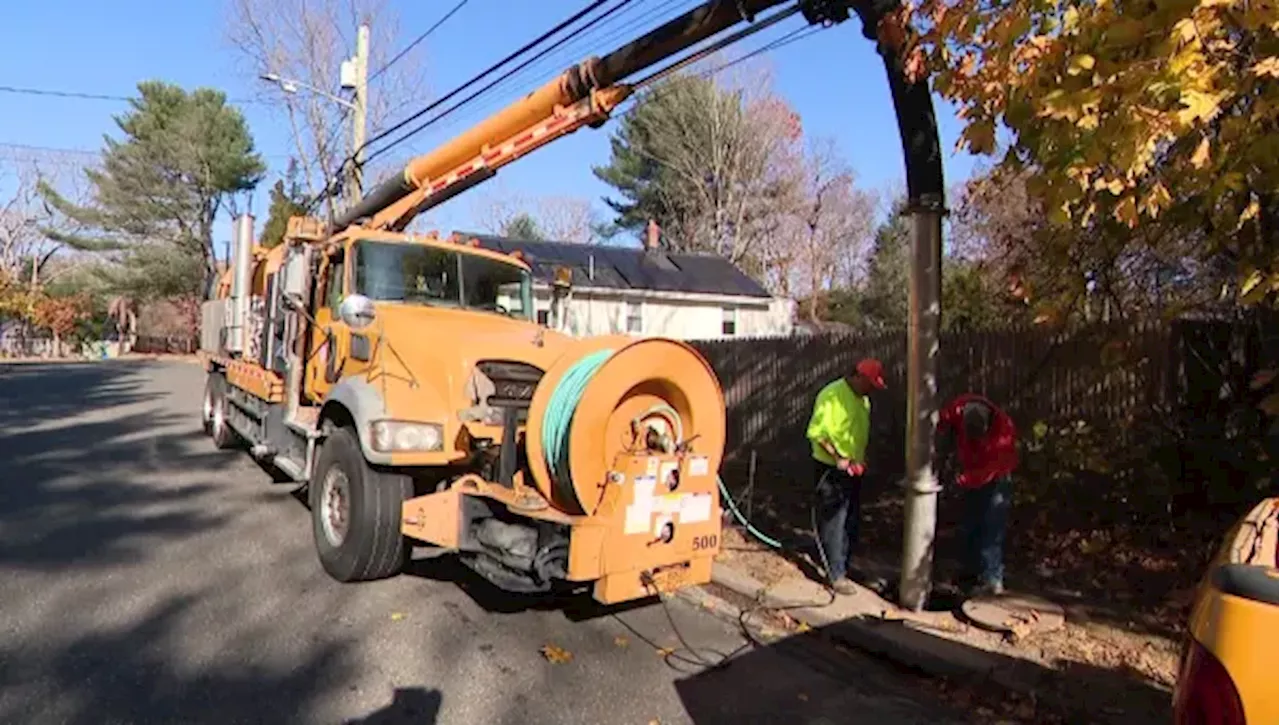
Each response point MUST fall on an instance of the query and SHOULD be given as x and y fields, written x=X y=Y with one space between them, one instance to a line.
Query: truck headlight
x=399 y=435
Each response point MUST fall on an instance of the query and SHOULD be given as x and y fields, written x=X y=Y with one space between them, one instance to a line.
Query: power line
x=417 y=40
x=547 y=68
x=491 y=69
x=445 y=113
x=92 y=96
x=32 y=148
x=440 y=101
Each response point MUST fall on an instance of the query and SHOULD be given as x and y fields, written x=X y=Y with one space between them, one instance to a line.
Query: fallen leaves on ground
x=397 y=616
x=666 y=651
x=556 y=655
x=621 y=641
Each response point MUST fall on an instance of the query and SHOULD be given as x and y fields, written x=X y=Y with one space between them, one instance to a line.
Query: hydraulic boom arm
x=583 y=95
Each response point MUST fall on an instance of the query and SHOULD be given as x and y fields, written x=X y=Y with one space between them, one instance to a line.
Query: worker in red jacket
x=984 y=440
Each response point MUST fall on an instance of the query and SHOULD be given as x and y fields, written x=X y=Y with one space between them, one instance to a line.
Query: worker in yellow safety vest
x=838 y=431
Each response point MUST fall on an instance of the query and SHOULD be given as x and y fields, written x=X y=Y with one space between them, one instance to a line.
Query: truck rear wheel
x=206 y=405
x=355 y=512
x=223 y=435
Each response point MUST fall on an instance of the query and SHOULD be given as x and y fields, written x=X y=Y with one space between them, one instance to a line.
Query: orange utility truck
x=404 y=379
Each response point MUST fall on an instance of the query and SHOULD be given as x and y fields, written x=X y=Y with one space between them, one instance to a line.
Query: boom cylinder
x=569 y=87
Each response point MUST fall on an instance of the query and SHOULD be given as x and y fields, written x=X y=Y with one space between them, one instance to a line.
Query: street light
x=289 y=85
x=357 y=69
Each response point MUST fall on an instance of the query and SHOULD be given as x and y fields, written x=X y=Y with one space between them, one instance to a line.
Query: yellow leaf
x=1080 y=64
x=621 y=641
x=1251 y=283
x=1249 y=212
x=802 y=627
x=1201 y=155
x=666 y=651
x=1070 y=19
x=1088 y=121
x=1256 y=287
x=1267 y=67
x=397 y=616
x=555 y=654
x=1127 y=212
x=1186 y=29
x=1198 y=105
x=1115 y=186
x=1157 y=199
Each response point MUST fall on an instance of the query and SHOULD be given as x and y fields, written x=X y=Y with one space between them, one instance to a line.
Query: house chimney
x=651 y=236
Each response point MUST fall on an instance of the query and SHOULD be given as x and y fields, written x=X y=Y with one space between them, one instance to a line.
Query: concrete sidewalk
x=938 y=644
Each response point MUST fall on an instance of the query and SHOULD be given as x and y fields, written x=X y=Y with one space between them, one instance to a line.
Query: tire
x=206 y=404
x=219 y=429
x=362 y=540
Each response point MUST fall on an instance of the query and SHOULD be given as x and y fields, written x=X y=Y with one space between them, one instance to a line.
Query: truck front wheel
x=355 y=512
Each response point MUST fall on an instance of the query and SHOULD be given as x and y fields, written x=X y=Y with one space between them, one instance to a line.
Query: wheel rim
x=206 y=408
x=334 y=506
x=219 y=419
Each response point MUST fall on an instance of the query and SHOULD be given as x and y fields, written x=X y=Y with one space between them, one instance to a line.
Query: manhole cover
x=1018 y=614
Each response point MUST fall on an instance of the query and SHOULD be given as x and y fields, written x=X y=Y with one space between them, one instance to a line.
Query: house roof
x=627 y=268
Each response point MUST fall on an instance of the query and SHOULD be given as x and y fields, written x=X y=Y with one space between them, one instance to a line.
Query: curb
x=903 y=642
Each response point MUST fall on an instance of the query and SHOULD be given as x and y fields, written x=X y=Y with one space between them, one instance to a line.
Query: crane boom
x=583 y=95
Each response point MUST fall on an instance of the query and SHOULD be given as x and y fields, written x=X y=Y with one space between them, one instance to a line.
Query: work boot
x=844 y=585
x=986 y=589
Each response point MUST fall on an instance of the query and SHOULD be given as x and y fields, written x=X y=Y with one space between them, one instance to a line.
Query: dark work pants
x=838 y=511
x=986 y=515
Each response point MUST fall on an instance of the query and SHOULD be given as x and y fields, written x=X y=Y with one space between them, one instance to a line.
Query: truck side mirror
x=357 y=311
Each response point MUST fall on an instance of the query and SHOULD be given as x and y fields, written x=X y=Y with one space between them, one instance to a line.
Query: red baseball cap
x=871 y=369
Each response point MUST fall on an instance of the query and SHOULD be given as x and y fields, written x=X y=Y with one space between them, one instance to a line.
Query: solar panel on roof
x=715 y=275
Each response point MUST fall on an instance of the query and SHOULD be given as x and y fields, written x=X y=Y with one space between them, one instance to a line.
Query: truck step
x=290 y=467
x=304 y=421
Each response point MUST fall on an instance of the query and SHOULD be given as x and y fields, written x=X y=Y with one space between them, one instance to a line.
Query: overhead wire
x=445 y=113
x=427 y=33
x=79 y=95
x=549 y=67
x=483 y=74
x=337 y=177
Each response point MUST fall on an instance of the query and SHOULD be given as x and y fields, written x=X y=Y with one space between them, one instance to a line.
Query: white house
x=649 y=292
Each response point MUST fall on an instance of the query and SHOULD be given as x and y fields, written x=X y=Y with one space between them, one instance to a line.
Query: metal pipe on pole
x=241 y=281
x=918 y=129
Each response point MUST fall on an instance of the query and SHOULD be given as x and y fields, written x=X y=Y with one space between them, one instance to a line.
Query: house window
x=544 y=316
x=729 y=322
x=633 y=317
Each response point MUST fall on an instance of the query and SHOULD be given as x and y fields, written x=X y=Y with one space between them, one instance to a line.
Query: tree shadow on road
x=807 y=678
x=78 y=446
x=115 y=610
x=751 y=688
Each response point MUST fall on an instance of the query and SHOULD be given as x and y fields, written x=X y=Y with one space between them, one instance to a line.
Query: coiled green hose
x=558 y=419
x=560 y=409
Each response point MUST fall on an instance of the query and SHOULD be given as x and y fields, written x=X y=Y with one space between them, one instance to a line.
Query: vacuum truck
x=404 y=379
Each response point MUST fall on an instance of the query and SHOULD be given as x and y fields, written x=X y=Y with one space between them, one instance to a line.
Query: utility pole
x=360 y=114
x=921 y=487
x=355 y=75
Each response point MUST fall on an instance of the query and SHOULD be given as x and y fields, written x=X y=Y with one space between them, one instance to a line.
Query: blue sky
x=833 y=79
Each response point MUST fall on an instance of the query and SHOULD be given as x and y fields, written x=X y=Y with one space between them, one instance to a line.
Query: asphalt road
x=146 y=577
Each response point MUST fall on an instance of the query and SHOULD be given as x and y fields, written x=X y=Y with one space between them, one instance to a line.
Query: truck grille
x=513 y=382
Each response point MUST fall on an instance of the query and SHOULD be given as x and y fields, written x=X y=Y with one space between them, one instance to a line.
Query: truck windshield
x=415 y=273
